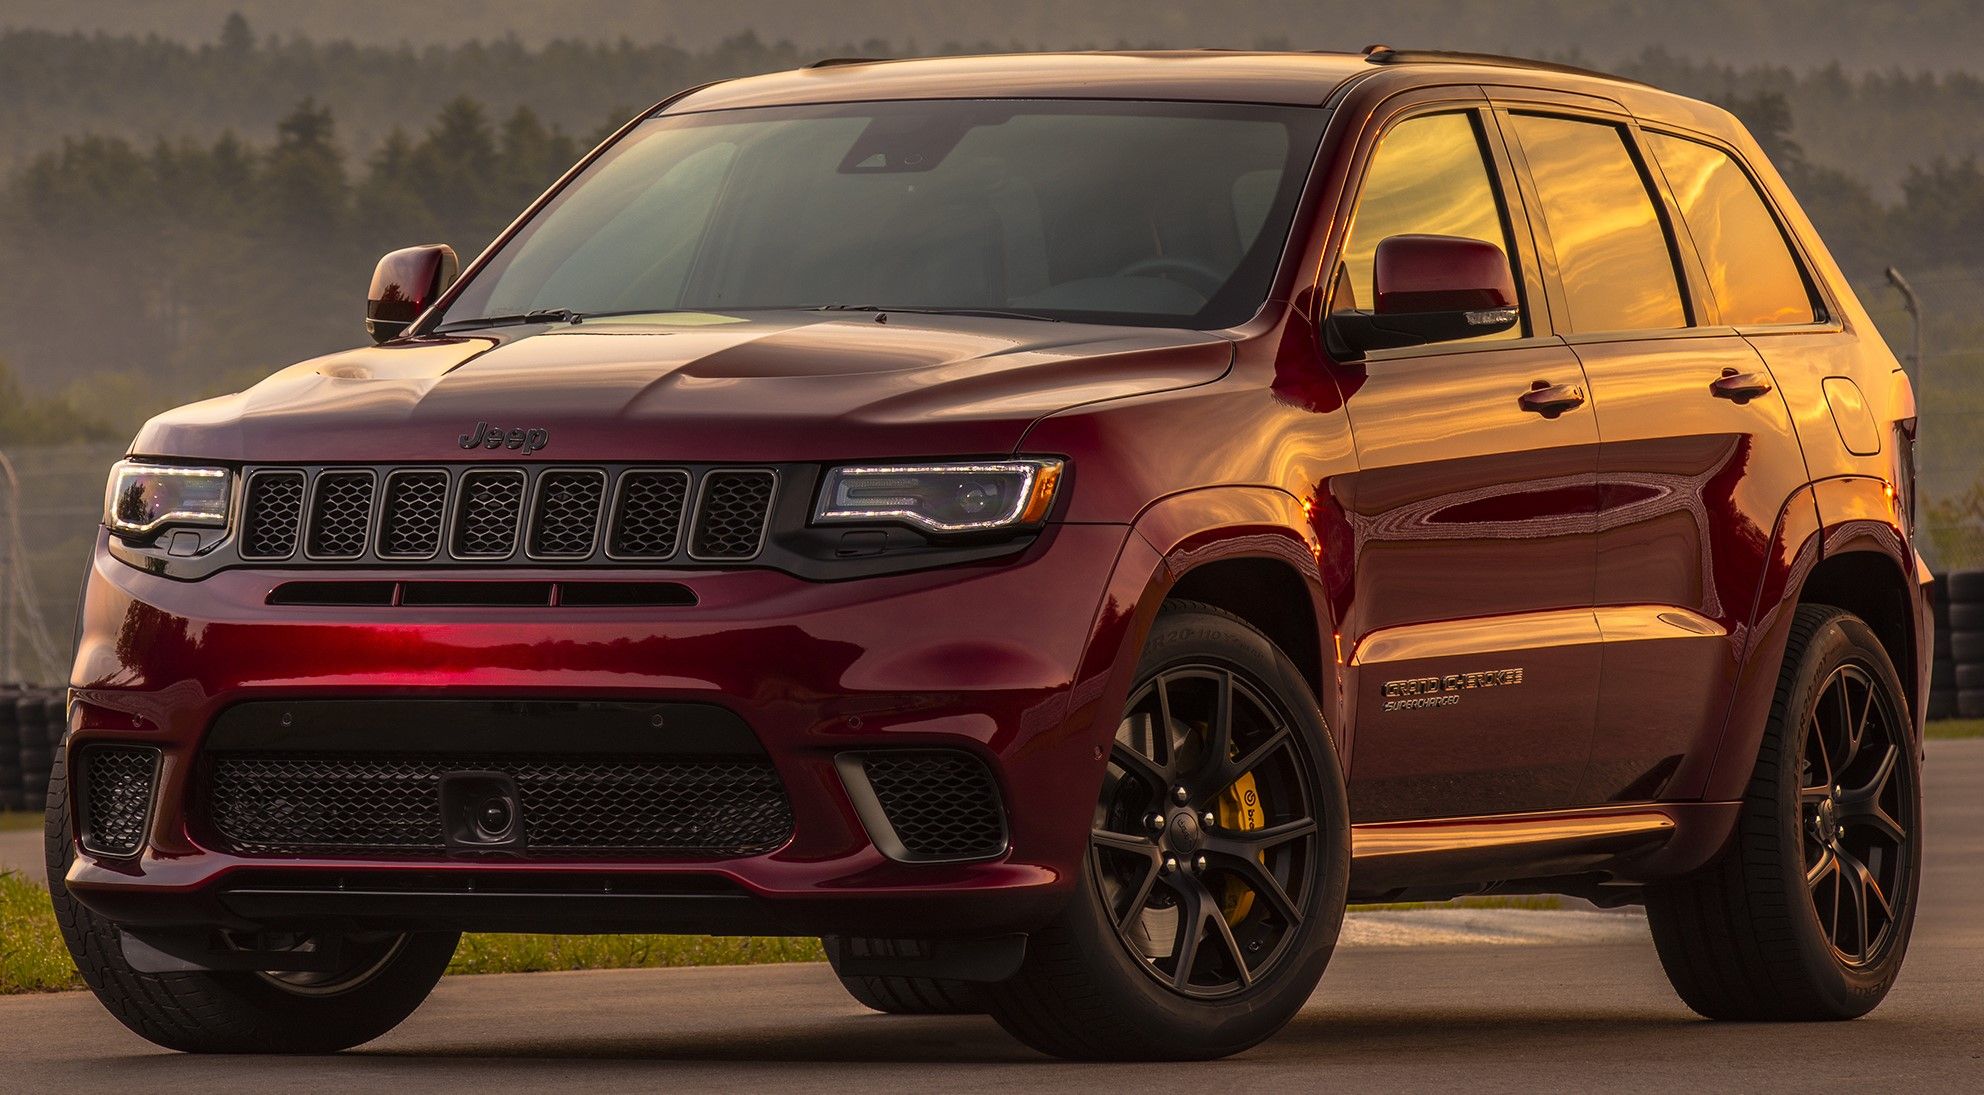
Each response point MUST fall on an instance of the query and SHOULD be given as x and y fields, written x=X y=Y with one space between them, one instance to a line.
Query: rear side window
x=1612 y=253
x=1429 y=175
x=1750 y=266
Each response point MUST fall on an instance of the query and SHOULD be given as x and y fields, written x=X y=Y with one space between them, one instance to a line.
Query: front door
x=1469 y=643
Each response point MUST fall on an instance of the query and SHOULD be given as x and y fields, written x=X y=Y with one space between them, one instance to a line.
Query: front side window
x=1428 y=175
x=1155 y=214
x=1612 y=252
x=1750 y=267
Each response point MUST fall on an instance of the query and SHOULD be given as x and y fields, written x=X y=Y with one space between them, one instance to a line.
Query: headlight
x=970 y=497
x=143 y=498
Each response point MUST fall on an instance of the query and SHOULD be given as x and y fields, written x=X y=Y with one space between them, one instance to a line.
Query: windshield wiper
x=541 y=315
x=989 y=313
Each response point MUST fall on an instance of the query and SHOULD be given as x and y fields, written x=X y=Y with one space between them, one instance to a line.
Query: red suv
x=1058 y=527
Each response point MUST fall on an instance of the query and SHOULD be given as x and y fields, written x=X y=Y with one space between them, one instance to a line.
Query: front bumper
x=1013 y=662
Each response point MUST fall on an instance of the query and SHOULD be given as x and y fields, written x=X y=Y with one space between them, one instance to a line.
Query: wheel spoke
x=1123 y=842
x=1227 y=773
x=1262 y=881
x=1817 y=873
x=1815 y=732
x=1232 y=945
x=1851 y=741
x=1249 y=844
x=1156 y=774
x=1192 y=901
x=1856 y=880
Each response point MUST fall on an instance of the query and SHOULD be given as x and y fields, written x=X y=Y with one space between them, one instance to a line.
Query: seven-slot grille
x=552 y=513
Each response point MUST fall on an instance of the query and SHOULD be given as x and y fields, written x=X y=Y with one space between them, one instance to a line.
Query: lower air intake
x=390 y=805
x=116 y=784
x=935 y=805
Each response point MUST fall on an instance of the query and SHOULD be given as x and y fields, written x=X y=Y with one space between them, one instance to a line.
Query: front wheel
x=1218 y=862
x=384 y=979
x=1807 y=914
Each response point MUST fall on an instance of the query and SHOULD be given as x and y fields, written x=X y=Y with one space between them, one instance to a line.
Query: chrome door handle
x=1739 y=387
x=1551 y=400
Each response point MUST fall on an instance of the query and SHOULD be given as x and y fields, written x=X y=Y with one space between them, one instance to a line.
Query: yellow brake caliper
x=1239 y=811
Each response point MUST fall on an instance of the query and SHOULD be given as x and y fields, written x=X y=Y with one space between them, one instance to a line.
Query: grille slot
x=275 y=514
x=373 y=804
x=487 y=514
x=116 y=797
x=340 y=515
x=647 y=521
x=731 y=514
x=940 y=804
x=564 y=520
x=416 y=505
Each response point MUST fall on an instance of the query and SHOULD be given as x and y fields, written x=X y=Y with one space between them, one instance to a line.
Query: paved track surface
x=1511 y=1002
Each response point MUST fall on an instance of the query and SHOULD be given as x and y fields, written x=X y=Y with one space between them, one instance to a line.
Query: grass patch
x=32 y=957
x=1956 y=728
x=14 y=821
x=538 y=953
x=1538 y=902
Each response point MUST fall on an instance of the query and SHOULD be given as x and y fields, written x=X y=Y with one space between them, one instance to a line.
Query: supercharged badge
x=1419 y=692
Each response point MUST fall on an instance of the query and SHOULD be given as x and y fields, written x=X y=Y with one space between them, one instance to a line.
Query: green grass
x=1956 y=728
x=32 y=957
x=14 y=821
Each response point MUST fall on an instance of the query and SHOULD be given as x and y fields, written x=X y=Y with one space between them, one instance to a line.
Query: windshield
x=1148 y=213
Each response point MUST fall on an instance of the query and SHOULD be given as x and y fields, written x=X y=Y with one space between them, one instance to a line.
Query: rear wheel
x=1807 y=915
x=380 y=982
x=1218 y=861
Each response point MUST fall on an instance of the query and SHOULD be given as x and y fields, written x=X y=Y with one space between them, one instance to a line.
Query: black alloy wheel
x=1858 y=814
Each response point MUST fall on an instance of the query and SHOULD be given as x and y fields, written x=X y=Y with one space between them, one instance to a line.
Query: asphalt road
x=1572 y=1002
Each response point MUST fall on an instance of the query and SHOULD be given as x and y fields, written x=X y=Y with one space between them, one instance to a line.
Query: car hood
x=701 y=388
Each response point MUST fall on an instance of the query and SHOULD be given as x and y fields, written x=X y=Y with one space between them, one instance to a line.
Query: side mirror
x=1431 y=289
x=404 y=283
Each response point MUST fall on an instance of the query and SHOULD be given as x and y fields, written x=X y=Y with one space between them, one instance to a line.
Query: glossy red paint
x=1441 y=274
x=1638 y=553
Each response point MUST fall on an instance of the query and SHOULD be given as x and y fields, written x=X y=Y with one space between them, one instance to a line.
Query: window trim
x=1688 y=277
x=1825 y=312
x=1523 y=251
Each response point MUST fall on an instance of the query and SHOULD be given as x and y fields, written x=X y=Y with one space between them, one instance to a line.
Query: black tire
x=1967 y=617
x=1964 y=587
x=1970 y=703
x=236 y=1012
x=1967 y=677
x=13 y=794
x=1942 y=704
x=1967 y=647
x=1087 y=990
x=916 y=995
x=1745 y=938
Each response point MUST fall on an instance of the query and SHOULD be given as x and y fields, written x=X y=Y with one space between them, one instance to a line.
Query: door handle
x=1739 y=387
x=1551 y=400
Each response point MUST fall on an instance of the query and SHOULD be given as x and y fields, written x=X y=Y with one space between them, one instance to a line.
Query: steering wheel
x=1196 y=276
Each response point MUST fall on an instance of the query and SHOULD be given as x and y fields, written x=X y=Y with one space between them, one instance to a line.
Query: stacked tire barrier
x=31 y=725
x=1959 y=667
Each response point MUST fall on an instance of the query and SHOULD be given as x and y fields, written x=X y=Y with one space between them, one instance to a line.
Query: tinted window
x=1750 y=267
x=1612 y=252
x=1146 y=213
x=1429 y=175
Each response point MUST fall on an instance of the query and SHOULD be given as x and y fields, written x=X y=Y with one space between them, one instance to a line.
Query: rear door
x=1697 y=450
x=1469 y=638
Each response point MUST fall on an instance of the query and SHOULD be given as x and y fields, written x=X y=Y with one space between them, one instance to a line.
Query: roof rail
x=1386 y=55
x=836 y=62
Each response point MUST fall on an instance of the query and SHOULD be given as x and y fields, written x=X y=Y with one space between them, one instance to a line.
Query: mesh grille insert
x=565 y=515
x=333 y=804
x=117 y=797
x=275 y=513
x=648 y=521
x=942 y=804
x=341 y=515
x=486 y=517
x=730 y=519
x=410 y=526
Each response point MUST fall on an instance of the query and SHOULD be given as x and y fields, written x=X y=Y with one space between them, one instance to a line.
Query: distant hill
x=1857 y=34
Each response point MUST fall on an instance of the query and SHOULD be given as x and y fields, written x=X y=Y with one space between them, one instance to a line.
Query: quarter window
x=1612 y=253
x=1750 y=268
x=1429 y=175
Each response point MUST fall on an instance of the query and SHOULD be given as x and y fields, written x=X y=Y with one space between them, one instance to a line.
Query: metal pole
x=9 y=559
x=1914 y=305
